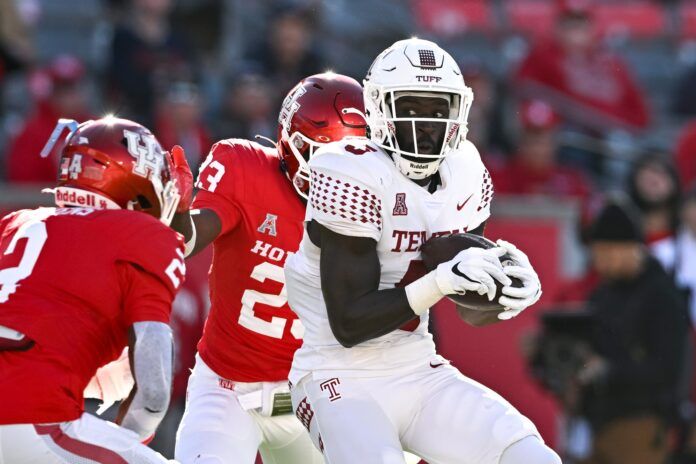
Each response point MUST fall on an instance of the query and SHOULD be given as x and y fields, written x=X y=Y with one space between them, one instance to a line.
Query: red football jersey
x=251 y=334
x=74 y=280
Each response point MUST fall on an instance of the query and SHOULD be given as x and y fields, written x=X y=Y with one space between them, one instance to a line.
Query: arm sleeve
x=342 y=203
x=218 y=181
x=152 y=370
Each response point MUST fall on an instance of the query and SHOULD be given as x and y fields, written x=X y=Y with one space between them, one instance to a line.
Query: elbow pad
x=152 y=369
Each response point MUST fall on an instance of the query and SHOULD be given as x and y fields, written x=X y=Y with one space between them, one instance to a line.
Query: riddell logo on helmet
x=428 y=78
x=80 y=199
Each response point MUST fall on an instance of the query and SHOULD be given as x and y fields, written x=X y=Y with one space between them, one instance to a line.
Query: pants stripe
x=79 y=448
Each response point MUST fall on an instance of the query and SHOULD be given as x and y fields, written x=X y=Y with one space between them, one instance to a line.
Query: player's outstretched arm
x=199 y=228
x=150 y=348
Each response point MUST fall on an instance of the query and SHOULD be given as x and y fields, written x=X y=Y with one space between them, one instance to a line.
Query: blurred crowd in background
x=574 y=100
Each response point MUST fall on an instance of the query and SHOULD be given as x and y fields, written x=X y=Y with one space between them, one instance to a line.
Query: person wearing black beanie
x=618 y=221
x=631 y=380
x=616 y=240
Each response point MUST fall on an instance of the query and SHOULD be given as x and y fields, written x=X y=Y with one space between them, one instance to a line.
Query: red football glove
x=183 y=177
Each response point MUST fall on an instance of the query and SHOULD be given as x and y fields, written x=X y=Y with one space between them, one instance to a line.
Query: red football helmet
x=320 y=109
x=113 y=163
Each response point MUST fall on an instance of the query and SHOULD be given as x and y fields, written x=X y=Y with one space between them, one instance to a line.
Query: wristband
x=191 y=244
x=423 y=293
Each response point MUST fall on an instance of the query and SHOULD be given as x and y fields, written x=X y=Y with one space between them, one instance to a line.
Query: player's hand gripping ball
x=441 y=249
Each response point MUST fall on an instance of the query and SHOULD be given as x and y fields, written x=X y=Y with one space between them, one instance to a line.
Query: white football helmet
x=415 y=67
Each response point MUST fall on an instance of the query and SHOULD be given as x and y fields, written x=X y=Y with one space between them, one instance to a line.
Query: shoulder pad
x=237 y=154
x=225 y=169
x=357 y=159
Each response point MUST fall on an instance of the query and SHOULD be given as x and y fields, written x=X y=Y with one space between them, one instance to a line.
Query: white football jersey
x=356 y=190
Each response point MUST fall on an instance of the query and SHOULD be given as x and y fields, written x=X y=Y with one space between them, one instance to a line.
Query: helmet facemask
x=168 y=196
x=388 y=126
x=302 y=149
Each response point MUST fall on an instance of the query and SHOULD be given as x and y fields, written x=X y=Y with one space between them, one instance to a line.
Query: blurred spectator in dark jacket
x=248 y=109
x=485 y=127
x=684 y=97
x=654 y=187
x=533 y=168
x=589 y=86
x=685 y=158
x=60 y=92
x=180 y=122
x=290 y=52
x=146 y=54
x=633 y=379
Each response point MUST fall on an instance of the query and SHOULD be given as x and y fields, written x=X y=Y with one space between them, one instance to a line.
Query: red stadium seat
x=453 y=17
x=531 y=17
x=634 y=18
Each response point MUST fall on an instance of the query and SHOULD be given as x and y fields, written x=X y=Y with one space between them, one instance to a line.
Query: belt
x=280 y=402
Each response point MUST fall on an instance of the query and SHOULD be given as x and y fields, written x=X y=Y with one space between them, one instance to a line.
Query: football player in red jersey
x=78 y=283
x=251 y=206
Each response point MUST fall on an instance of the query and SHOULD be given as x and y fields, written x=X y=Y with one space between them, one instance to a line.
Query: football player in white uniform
x=367 y=382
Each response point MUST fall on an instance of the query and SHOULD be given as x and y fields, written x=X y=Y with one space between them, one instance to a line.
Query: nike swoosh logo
x=456 y=271
x=461 y=205
x=436 y=365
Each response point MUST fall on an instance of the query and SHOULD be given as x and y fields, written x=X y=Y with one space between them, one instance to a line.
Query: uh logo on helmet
x=415 y=68
x=113 y=163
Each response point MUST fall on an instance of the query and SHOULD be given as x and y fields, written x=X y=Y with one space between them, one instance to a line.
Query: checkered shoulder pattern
x=304 y=413
x=486 y=191
x=344 y=199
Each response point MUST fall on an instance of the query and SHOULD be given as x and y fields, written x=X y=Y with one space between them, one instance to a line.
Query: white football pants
x=86 y=440
x=215 y=429
x=432 y=411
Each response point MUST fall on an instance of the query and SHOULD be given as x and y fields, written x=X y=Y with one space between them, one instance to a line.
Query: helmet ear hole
x=143 y=202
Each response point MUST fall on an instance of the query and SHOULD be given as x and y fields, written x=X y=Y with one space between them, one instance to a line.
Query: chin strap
x=63 y=124
x=354 y=111
x=266 y=139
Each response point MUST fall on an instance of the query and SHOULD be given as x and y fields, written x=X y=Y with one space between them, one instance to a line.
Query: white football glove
x=472 y=270
x=516 y=300
x=112 y=382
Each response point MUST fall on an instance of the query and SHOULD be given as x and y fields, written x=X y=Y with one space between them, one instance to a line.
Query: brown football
x=441 y=249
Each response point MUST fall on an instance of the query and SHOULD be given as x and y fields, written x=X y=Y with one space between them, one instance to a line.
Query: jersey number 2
x=35 y=233
x=276 y=326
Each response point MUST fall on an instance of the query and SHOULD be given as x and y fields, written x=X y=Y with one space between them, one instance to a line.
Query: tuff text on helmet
x=428 y=79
